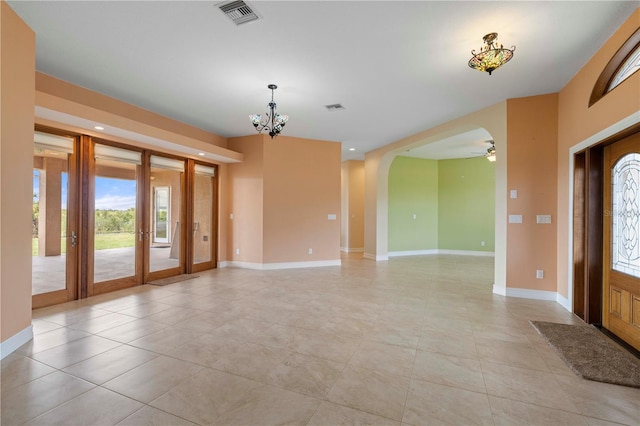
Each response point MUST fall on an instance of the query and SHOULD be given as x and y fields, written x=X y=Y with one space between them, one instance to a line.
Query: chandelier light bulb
x=490 y=56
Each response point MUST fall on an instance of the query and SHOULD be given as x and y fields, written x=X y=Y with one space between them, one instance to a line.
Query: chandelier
x=272 y=122
x=491 y=152
x=490 y=56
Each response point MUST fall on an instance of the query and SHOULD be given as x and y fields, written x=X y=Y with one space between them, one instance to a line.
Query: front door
x=621 y=295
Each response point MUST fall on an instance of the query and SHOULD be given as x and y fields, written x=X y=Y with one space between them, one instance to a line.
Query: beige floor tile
x=67 y=317
x=483 y=332
x=337 y=415
x=74 y=352
x=101 y=323
x=144 y=310
x=165 y=340
x=434 y=404
x=173 y=315
x=377 y=393
x=382 y=357
x=153 y=378
x=603 y=401
x=132 y=330
x=42 y=326
x=51 y=339
x=338 y=348
x=508 y=412
x=306 y=374
x=510 y=353
x=270 y=405
x=18 y=369
x=248 y=360
x=521 y=384
x=110 y=364
x=205 y=396
x=448 y=343
x=39 y=396
x=96 y=407
x=240 y=329
x=149 y=416
x=394 y=334
x=449 y=370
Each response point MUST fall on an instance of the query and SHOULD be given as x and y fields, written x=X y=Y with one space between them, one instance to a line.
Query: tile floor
x=413 y=341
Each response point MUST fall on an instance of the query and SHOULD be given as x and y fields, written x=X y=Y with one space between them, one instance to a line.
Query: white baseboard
x=502 y=291
x=412 y=252
x=352 y=250
x=467 y=252
x=526 y=293
x=223 y=264
x=375 y=257
x=283 y=265
x=14 y=342
x=440 y=251
x=564 y=302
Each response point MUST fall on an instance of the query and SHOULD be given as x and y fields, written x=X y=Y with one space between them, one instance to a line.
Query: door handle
x=140 y=234
x=74 y=239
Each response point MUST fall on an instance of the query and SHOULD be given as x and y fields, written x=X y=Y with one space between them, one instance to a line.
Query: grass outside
x=102 y=241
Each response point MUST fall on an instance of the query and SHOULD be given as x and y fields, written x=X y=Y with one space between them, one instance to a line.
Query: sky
x=111 y=194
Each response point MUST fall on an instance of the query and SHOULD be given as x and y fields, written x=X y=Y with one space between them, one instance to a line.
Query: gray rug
x=173 y=280
x=591 y=354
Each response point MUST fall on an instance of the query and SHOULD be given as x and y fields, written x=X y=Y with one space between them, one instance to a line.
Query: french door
x=55 y=220
x=621 y=290
x=108 y=216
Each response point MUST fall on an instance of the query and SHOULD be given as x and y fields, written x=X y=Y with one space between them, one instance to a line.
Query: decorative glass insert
x=631 y=65
x=625 y=233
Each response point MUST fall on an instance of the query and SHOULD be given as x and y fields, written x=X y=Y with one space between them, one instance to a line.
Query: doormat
x=172 y=280
x=590 y=354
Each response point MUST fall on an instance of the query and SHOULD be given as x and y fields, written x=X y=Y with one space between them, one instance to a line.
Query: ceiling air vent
x=238 y=11
x=334 y=107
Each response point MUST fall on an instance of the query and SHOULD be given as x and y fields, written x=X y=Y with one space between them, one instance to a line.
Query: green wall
x=454 y=202
x=413 y=189
x=466 y=204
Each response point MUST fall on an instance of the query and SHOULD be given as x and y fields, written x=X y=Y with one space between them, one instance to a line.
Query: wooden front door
x=621 y=292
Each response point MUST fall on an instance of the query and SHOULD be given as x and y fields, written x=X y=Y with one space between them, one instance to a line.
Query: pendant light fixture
x=490 y=56
x=272 y=122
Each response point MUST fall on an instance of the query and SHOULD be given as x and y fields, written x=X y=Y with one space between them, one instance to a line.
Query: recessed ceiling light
x=201 y=153
x=352 y=149
x=98 y=127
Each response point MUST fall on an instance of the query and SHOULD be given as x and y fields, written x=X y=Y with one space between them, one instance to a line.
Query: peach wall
x=377 y=163
x=352 y=213
x=80 y=95
x=301 y=188
x=579 y=124
x=532 y=132
x=17 y=65
x=245 y=190
x=70 y=105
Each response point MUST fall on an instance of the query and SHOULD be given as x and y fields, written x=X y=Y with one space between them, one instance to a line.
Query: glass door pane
x=50 y=190
x=203 y=193
x=116 y=230
x=165 y=188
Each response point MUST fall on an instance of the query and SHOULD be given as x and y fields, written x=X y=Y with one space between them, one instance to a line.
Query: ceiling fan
x=490 y=154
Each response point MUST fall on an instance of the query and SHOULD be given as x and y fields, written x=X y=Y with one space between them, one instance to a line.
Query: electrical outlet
x=482 y=243
x=310 y=251
x=414 y=216
x=237 y=251
x=539 y=274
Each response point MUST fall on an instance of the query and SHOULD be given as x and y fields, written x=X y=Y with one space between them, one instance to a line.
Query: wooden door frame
x=213 y=262
x=72 y=259
x=587 y=224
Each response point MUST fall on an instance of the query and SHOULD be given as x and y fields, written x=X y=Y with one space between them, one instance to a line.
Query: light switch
x=543 y=218
x=514 y=193
x=515 y=218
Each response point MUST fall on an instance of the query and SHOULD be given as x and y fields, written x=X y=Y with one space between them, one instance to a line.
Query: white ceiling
x=397 y=67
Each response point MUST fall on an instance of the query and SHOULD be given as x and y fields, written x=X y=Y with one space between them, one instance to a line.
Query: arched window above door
x=622 y=65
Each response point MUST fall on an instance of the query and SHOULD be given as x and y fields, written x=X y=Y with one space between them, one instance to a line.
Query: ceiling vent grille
x=334 y=107
x=238 y=11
